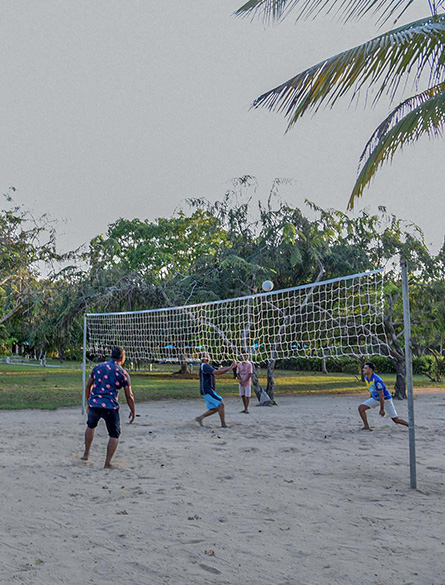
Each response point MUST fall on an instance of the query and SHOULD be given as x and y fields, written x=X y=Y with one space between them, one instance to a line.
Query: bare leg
x=243 y=398
x=89 y=436
x=362 y=411
x=247 y=400
x=222 y=415
x=400 y=421
x=111 y=450
x=206 y=414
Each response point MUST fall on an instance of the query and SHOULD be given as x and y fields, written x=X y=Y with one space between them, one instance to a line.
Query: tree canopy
x=411 y=55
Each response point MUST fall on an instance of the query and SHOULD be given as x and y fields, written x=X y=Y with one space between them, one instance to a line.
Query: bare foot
x=109 y=466
x=242 y=411
x=366 y=429
x=224 y=426
x=199 y=420
x=85 y=457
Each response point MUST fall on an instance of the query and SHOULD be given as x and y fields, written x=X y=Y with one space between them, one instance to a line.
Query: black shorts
x=111 y=418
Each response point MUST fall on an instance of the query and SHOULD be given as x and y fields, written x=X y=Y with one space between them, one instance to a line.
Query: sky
x=113 y=108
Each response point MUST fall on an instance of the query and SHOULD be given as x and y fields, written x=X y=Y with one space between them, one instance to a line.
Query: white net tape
x=339 y=317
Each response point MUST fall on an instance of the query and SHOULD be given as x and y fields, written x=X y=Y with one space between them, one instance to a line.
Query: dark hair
x=371 y=365
x=117 y=353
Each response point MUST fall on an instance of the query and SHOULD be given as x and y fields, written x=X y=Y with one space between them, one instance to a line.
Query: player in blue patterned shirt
x=102 y=393
x=380 y=396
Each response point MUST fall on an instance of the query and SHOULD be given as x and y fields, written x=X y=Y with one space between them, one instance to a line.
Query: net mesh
x=334 y=318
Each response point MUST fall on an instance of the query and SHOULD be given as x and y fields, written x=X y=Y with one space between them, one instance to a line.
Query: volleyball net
x=331 y=318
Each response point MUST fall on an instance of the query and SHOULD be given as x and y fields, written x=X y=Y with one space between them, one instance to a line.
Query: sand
x=293 y=494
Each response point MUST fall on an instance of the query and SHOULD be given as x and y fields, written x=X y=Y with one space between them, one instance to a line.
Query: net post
x=84 y=361
x=409 y=373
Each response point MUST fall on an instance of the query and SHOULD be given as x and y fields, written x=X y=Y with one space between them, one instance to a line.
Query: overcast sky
x=114 y=108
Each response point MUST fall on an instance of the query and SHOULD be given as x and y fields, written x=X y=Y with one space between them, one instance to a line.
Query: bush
x=426 y=365
x=347 y=365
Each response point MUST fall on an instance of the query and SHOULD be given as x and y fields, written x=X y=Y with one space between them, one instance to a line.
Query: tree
x=412 y=53
x=379 y=241
x=27 y=246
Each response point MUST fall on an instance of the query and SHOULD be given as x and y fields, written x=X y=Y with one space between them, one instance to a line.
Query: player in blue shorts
x=207 y=375
x=380 y=396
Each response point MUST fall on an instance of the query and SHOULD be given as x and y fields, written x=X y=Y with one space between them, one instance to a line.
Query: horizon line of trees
x=212 y=251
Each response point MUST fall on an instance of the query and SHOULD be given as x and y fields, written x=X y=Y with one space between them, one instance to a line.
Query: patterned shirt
x=376 y=384
x=108 y=378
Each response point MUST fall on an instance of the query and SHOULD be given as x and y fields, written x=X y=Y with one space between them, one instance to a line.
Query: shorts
x=245 y=390
x=212 y=402
x=111 y=418
x=389 y=406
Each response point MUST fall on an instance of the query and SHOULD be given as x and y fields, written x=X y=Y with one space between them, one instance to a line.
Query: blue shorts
x=111 y=418
x=212 y=402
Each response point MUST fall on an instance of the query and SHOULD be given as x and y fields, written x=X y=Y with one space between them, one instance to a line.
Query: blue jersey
x=207 y=380
x=375 y=385
x=108 y=378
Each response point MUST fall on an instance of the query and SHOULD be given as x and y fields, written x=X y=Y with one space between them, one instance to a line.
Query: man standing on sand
x=102 y=394
x=380 y=396
x=207 y=375
x=244 y=371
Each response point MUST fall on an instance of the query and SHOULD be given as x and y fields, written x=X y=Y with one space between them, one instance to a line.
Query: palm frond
x=384 y=61
x=275 y=10
x=427 y=118
x=396 y=115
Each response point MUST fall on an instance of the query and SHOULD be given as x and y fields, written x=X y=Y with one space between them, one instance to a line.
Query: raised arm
x=222 y=371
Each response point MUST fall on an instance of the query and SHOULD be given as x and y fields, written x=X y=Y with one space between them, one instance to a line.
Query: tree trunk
x=270 y=388
x=397 y=357
x=256 y=383
x=324 y=369
x=185 y=369
x=362 y=365
x=400 y=385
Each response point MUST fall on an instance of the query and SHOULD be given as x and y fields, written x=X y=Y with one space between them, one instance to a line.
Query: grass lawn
x=51 y=388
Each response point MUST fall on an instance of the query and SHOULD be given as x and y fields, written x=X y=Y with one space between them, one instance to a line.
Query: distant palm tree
x=411 y=53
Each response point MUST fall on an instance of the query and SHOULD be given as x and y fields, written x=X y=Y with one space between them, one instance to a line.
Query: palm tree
x=413 y=53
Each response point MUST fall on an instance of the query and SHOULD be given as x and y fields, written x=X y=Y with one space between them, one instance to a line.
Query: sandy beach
x=289 y=495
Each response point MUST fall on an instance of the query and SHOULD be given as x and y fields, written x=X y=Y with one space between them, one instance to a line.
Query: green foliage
x=350 y=9
x=161 y=249
x=408 y=55
x=26 y=245
x=345 y=365
x=227 y=249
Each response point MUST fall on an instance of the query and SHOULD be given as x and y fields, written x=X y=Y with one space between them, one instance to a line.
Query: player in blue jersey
x=102 y=394
x=213 y=401
x=380 y=396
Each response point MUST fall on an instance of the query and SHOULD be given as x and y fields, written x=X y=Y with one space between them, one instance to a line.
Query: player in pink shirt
x=244 y=371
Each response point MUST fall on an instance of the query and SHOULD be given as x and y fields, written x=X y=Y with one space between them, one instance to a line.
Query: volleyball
x=267 y=285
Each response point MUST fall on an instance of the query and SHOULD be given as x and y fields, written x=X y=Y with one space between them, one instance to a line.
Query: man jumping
x=213 y=401
x=380 y=396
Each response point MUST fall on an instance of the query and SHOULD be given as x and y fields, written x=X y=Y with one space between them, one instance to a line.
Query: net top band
x=232 y=300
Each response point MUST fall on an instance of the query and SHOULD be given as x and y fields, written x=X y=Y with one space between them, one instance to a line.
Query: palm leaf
x=397 y=114
x=383 y=61
x=427 y=118
x=275 y=10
